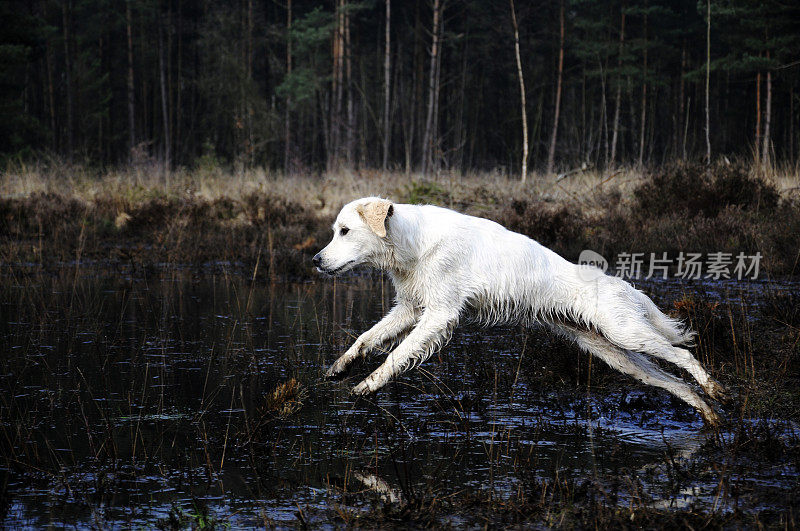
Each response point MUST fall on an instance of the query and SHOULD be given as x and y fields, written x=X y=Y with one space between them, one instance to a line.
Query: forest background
x=418 y=86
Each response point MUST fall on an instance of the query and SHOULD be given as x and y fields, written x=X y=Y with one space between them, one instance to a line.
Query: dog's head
x=359 y=236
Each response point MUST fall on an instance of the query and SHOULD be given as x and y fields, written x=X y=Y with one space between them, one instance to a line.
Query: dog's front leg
x=398 y=320
x=432 y=331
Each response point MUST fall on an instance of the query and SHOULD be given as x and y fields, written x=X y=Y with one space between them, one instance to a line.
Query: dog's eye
x=343 y=231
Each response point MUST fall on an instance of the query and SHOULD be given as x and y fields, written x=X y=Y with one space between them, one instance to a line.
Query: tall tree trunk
x=387 y=71
x=164 y=101
x=249 y=39
x=686 y=126
x=130 y=87
x=287 y=123
x=618 y=103
x=179 y=73
x=51 y=100
x=791 y=125
x=248 y=100
x=708 y=82
x=170 y=84
x=427 y=140
x=758 y=119
x=65 y=13
x=643 y=116
x=461 y=129
x=147 y=112
x=436 y=139
x=522 y=104
x=351 y=123
x=765 y=151
x=681 y=92
x=407 y=108
x=421 y=55
x=100 y=138
x=602 y=126
x=554 y=136
x=334 y=155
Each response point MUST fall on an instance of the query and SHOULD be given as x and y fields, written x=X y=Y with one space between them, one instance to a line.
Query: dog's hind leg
x=638 y=335
x=397 y=321
x=432 y=331
x=641 y=368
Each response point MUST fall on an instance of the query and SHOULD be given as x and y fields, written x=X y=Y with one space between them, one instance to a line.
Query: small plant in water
x=286 y=398
x=197 y=518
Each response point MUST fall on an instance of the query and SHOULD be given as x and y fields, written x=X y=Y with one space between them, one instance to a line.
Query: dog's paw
x=333 y=371
x=361 y=389
x=717 y=392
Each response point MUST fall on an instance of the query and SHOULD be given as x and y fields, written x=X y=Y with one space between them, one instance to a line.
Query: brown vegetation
x=207 y=216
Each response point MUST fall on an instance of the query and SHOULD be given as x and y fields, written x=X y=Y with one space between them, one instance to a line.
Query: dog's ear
x=375 y=214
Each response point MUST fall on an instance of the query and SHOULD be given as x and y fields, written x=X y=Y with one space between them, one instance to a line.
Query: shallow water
x=126 y=399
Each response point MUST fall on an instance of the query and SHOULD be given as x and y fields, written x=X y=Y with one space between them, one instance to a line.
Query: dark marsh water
x=129 y=400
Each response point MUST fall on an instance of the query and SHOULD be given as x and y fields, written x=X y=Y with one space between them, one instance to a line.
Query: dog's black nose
x=316 y=260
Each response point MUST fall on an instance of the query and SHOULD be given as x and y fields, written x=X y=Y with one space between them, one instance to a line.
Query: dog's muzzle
x=317 y=261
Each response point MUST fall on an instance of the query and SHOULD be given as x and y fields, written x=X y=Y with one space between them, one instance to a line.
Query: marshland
x=168 y=169
x=163 y=351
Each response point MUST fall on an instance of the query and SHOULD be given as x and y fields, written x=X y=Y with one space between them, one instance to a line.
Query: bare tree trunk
x=436 y=139
x=164 y=106
x=686 y=126
x=337 y=149
x=615 y=133
x=65 y=12
x=421 y=55
x=461 y=130
x=131 y=109
x=387 y=71
x=334 y=149
x=100 y=138
x=643 y=119
x=791 y=125
x=765 y=151
x=287 y=124
x=681 y=96
x=758 y=119
x=249 y=69
x=426 y=139
x=351 y=124
x=50 y=89
x=603 y=127
x=249 y=39
x=148 y=112
x=179 y=73
x=363 y=113
x=523 y=106
x=708 y=82
x=554 y=136
x=170 y=84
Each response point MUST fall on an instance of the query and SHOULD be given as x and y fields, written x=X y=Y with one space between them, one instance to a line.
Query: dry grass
x=208 y=214
x=329 y=191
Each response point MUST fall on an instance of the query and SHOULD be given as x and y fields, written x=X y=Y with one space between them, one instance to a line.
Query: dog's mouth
x=336 y=271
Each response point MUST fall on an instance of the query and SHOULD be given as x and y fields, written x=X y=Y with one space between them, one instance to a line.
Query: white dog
x=445 y=265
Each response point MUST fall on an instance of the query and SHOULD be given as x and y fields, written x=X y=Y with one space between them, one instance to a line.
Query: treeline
x=418 y=85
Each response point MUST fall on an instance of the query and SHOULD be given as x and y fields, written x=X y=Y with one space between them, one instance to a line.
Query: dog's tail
x=675 y=330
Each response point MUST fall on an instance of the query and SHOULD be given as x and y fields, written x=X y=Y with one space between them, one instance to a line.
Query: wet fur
x=446 y=266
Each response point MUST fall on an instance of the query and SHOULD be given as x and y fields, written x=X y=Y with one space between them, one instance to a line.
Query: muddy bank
x=680 y=208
